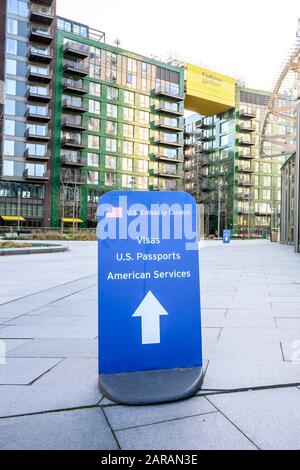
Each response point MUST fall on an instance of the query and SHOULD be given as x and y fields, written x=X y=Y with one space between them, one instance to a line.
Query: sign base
x=152 y=387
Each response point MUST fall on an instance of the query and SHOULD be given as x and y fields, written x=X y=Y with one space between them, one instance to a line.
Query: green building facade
x=118 y=125
x=225 y=170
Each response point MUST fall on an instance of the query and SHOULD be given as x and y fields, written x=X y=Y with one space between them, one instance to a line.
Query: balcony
x=247 y=114
x=168 y=174
x=36 y=137
x=246 y=155
x=37 y=95
x=73 y=122
x=162 y=108
x=167 y=93
x=38 y=75
x=41 y=34
x=76 y=87
x=245 y=170
x=36 y=178
x=165 y=158
x=246 y=197
x=204 y=125
x=47 y=3
x=77 y=161
x=37 y=54
x=34 y=157
x=76 y=49
x=161 y=141
x=41 y=14
x=164 y=124
x=161 y=186
x=33 y=114
x=245 y=184
x=207 y=137
x=247 y=127
x=72 y=142
x=72 y=178
x=245 y=141
x=74 y=105
x=76 y=68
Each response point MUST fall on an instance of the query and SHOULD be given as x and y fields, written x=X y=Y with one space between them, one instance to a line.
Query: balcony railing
x=74 y=122
x=247 y=114
x=243 y=140
x=37 y=95
x=36 y=177
x=161 y=123
x=41 y=34
x=168 y=173
x=38 y=54
x=163 y=157
x=72 y=142
x=247 y=126
x=41 y=14
x=75 y=86
x=169 y=93
x=76 y=49
x=161 y=140
x=73 y=179
x=31 y=134
x=34 y=114
x=68 y=160
x=164 y=108
x=36 y=157
x=76 y=68
x=39 y=75
x=74 y=105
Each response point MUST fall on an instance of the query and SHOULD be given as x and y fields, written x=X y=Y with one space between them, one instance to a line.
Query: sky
x=246 y=39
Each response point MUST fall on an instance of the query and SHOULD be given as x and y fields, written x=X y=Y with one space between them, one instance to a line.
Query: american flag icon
x=116 y=213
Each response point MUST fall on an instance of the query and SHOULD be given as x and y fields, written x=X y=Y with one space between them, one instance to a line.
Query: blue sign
x=226 y=236
x=149 y=286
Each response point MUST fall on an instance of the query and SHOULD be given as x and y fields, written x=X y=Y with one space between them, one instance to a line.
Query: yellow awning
x=9 y=218
x=72 y=221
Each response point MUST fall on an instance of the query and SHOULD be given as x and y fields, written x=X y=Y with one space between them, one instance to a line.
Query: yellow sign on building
x=207 y=92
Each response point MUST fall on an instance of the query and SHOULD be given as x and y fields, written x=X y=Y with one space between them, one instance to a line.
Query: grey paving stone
x=62 y=348
x=291 y=351
x=24 y=371
x=240 y=374
x=71 y=384
x=123 y=417
x=207 y=333
x=288 y=323
x=84 y=429
x=207 y=432
x=282 y=306
x=237 y=322
x=11 y=344
x=53 y=332
x=41 y=320
x=269 y=418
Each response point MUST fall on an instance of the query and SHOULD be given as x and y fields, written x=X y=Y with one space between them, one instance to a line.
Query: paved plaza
x=49 y=397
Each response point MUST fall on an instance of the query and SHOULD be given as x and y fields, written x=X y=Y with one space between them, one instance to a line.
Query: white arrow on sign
x=150 y=311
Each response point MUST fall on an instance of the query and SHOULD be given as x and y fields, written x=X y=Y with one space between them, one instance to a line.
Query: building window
x=127 y=181
x=93 y=177
x=8 y=168
x=129 y=97
x=143 y=166
x=144 y=101
x=143 y=150
x=143 y=133
x=129 y=114
x=112 y=93
x=128 y=148
x=94 y=107
x=11 y=46
x=12 y=26
x=18 y=7
x=111 y=145
x=111 y=127
x=110 y=162
x=127 y=164
x=112 y=110
x=11 y=67
x=9 y=148
x=94 y=124
x=95 y=89
x=144 y=117
x=128 y=130
x=110 y=179
x=94 y=142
